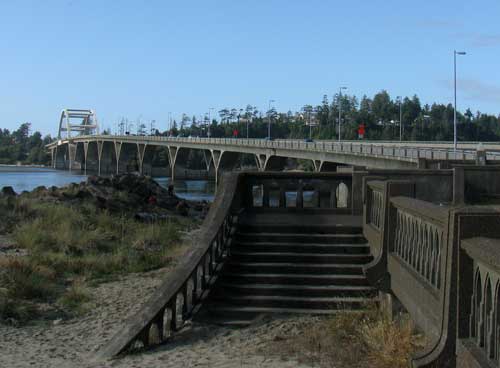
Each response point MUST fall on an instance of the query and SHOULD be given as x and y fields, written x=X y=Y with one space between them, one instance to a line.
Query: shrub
x=75 y=298
x=24 y=279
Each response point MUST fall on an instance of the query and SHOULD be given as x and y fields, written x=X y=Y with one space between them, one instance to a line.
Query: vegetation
x=22 y=147
x=380 y=115
x=352 y=339
x=70 y=247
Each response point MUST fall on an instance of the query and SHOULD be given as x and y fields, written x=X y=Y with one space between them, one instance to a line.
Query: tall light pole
x=400 y=118
x=209 y=121
x=340 y=107
x=455 y=53
x=269 y=120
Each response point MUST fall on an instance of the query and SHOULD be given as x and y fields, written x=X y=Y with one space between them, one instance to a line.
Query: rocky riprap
x=135 y=195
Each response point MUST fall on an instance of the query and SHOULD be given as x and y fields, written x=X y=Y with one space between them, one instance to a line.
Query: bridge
x=109 y=154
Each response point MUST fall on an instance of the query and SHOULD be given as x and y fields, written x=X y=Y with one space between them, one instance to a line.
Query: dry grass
x=67 y=242
x=75 y=298
x=350 y=339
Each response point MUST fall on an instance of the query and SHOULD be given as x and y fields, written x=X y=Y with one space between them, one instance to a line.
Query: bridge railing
x=182 y=292
x=443 y=264
x=479 y=323
x=418 y=253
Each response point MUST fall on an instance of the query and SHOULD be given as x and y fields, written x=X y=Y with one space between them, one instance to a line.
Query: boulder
x=8 y=191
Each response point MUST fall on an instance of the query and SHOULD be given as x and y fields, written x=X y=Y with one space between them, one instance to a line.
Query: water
x=27 y=178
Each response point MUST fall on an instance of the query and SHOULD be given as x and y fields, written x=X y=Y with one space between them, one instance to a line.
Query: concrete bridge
x=108 y=154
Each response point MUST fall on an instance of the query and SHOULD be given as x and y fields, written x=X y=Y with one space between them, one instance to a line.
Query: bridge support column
x=317 y=165
x=223 y=161
x=118 y=149
x=71 y=155
x=141 y=149
x=172 y=153
x=99 y=156
x=260 y=160
x=53 y=157
x=85 y=151
x=62 y=158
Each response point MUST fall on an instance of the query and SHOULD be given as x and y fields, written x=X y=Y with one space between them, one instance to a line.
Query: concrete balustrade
x=441 y=261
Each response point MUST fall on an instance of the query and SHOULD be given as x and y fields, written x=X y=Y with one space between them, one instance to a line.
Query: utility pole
x=340 y=108
x=455 y=53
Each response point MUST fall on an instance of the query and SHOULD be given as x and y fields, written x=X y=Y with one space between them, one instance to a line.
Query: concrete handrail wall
x=483 y=336
x=422 y=268
x=184 y=288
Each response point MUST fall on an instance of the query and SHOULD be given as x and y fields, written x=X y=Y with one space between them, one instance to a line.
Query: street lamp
x=455 y=53
x=209 y=121
x=269 y=120
x=340 y=107
x=400 y=118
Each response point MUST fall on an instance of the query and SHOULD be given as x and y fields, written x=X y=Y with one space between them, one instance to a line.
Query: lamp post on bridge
x=400 y=99
x=455 y=53
x=209 y=120
x=269 y=120
x=340 y=108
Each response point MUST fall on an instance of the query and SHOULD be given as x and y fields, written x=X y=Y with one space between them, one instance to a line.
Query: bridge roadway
x=107 y=153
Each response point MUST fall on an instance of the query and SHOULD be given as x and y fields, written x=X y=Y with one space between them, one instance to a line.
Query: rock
x=149 y=217
x=8 y=191
x=182 y=208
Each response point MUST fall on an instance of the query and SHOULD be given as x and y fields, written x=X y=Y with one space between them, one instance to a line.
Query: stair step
x=302 y=247
x=277 y=301
x=230 y=310
x=301 y=237
x=225 y=288
x=300 y=257
x=296 y=279
x=305 y=229
x=303 y=268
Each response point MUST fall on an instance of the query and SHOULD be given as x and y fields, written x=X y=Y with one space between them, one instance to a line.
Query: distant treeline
x=20 y=146
x=380 y=116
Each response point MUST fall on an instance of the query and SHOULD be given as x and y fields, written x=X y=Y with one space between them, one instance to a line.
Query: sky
x=144 y=59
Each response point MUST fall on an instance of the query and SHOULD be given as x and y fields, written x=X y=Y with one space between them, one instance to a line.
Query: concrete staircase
x=298 y=266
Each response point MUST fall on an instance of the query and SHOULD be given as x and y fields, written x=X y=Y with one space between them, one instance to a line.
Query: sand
x=74 y=342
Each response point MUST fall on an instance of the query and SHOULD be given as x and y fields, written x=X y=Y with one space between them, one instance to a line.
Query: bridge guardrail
x=480 y=332
x=184 y=288
x=443 y=263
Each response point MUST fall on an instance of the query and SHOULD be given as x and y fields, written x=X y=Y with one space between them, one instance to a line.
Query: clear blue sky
x=146 y=58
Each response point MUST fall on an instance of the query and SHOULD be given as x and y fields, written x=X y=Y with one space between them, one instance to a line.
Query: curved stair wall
x=184 y=288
